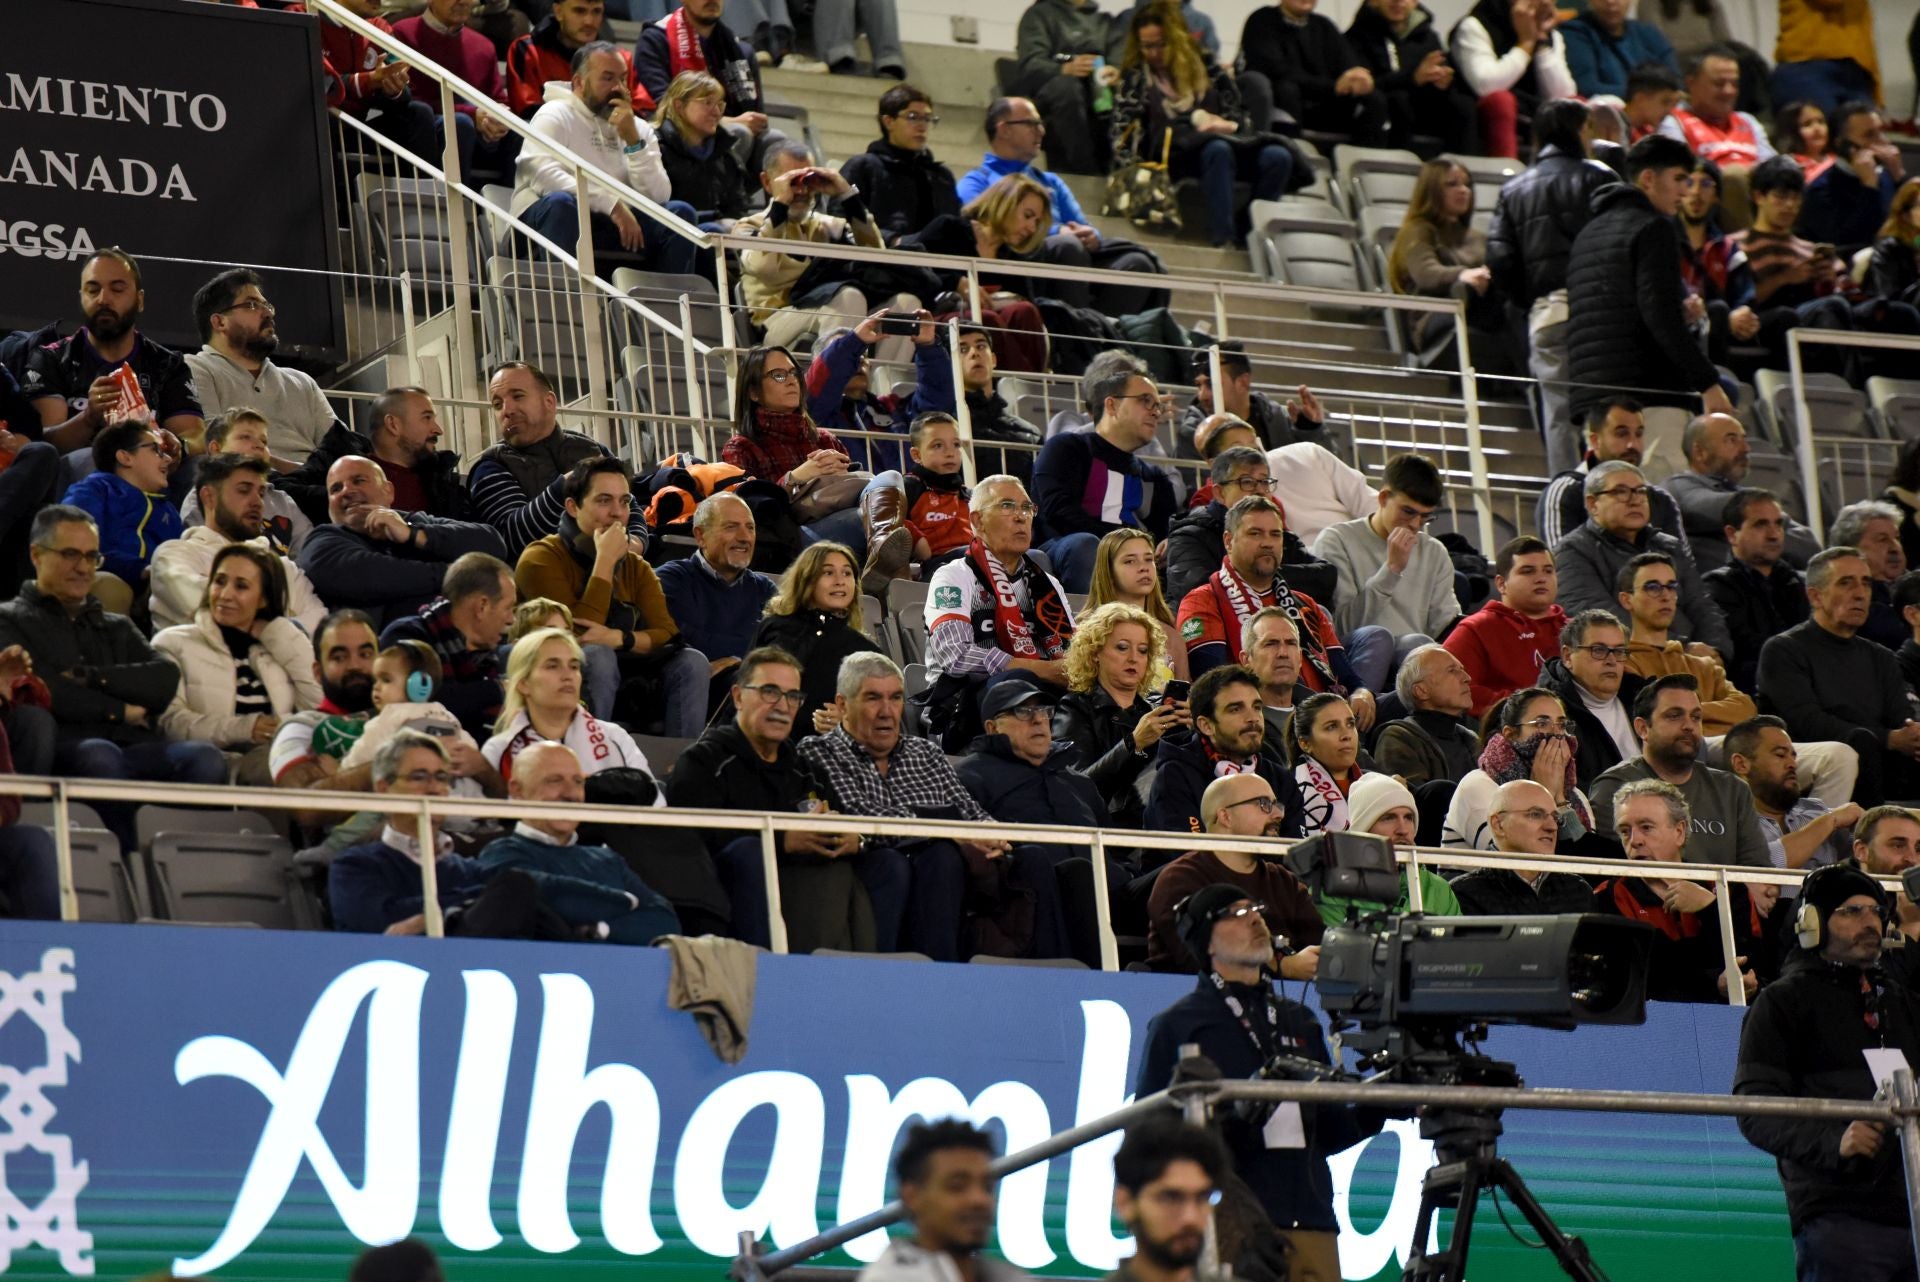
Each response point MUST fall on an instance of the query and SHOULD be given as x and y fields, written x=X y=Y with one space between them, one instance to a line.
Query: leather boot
x=889 y=542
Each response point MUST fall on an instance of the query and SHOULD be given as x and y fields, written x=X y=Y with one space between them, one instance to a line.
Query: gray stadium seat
x=907 y=612
x=108 y=887
x=662 y=751
x=873 y=617
x=79 y=814
x=1312 y=252
x=227 y=878
x=1896 y=406
x=1837 y=409
x=150 y=822
x=531 y=312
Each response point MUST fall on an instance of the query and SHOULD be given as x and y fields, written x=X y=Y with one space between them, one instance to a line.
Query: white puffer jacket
x=202 y=708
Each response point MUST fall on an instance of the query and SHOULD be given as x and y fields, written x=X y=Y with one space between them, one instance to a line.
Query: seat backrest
x=907 y=620
x=228 y=878
x=150 y=821
x=661 y=752
x=104 y=883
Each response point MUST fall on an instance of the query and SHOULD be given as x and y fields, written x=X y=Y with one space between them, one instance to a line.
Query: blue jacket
x=586 y=884
x=1600 y=63
x=1083 y=483
x=992 y=169
x=372 y=886
x=829 y=406
x=717 y=619
x=132 y=524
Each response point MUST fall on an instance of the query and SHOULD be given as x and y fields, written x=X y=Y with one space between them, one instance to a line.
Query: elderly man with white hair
x=991 y=610
x=873 y=767
x=1618 y=529
x=1873 y=527
x=1523 y=821
x=1431 y=742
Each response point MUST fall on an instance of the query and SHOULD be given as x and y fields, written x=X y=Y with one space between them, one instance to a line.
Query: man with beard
x=402 y=437
x=245 y=431
x=70 y=382
x=232 y=368
x=374 y=558
x=1229 y=737
x=1667 y=718
x=545 y=56
x=1801 y=832
x=232 y=491
x=1717 y=460
x=1301 y=419
x=464 y=627
x=518 y=485
x=1237 y=806
x=950 y=1195
x=1616 y=429
x=1240 y=1023
x=1166 y=1177
x=308 y=749
x=1886 y=842
x=1805 y=1036
x=594 y=118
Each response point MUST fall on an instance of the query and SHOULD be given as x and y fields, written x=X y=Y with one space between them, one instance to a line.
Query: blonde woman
x=1124 y=571
x=1893 y=272
x=698 y=153
x=546 y=675
x=1169 y=92
x=1107 y=714
x=1009 y=222
x=815 y=616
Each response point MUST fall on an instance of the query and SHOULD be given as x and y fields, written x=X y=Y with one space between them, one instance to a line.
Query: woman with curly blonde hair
x=1124 y=570
x=1107 y=715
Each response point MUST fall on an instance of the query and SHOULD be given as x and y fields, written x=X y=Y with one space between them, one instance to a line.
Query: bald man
x=374 y=558
x=1523 y=821
x=590 y=887
x=1237 y=806
x=1718 y=456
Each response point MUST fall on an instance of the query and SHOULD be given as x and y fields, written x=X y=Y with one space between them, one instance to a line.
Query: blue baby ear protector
x=419 y=687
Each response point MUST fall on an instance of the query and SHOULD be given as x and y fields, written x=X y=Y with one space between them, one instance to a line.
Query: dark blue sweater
x=372 y=886
x=586 y=884
x=717 y=619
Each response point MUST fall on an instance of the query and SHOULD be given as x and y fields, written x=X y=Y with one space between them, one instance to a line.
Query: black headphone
x=1808 y=929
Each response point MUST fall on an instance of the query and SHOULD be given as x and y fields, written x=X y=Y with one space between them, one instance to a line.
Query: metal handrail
x=1804 y=445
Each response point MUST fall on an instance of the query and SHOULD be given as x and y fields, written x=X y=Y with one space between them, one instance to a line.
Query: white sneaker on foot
x=800 y=62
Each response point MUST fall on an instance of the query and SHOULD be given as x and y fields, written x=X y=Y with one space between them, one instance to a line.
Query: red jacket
x=1503 y=650
x=538 y=57
x=941 y=517
x=347 y=57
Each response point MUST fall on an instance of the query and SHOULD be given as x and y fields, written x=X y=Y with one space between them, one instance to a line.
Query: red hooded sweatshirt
x=1503 y=650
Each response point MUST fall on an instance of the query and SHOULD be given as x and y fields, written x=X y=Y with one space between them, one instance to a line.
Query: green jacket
x=1436 y=895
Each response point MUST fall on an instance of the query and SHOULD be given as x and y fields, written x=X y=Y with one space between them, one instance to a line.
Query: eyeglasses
x=1035 y=122
x=925 y=118
x=1855 y=910
x=781 y=375
x=1533 y=814
x=1241 y=910
x=77 y=556
x=1624 y=492
x=1268 y=805
x=774 y=694
x=421 y=778
x=1007 y=507
x=1148 y=400
x=252 y=305
x=148 y=445
x=1600 y=653
x=1255 y=484
x=1030 y=711
x=1558 y=725
x=1174 y=1199
x=1664 y=587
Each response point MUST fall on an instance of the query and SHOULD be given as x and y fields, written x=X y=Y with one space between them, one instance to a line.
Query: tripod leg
x=1455 y=1184
x=1571 y=1252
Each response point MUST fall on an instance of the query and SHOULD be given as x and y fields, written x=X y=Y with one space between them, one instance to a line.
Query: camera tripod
x=1465 y=1140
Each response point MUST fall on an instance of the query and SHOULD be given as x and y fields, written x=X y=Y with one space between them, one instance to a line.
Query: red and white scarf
x=1010 y=627
x=1323 y=805
x=683 y=45
x=1242 y=603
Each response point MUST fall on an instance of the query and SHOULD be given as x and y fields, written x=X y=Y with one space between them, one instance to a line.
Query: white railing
x=1806 y=440
x=1095 y=841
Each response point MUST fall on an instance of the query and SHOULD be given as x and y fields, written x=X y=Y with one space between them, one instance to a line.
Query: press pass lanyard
x=1260 y=1046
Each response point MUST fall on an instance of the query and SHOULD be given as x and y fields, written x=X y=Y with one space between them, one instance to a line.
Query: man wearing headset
x=1809 y=1034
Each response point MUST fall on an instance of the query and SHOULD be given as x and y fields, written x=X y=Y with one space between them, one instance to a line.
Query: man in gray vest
x=516 y=485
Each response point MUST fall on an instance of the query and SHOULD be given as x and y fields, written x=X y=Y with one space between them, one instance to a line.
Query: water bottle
x=1102 y=94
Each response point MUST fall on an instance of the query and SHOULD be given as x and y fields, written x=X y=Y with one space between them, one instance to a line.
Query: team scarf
x=1225 y=765
x=683 y=45
x=590 y=744
x=1323 y=804
x=1010 y=626
x=1241 y=602
x=1505 y=761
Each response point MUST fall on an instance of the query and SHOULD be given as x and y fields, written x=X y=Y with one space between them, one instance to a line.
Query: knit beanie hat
x=1825 y=889
x=1195 y=917
x=1372 y=795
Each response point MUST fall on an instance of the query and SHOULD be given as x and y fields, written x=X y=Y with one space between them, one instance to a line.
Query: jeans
x=1072 y=556
x=1843 y=1248
x=189 y=761
x=683 y=684
x=885 y=873
x=1824 y=82
x=409 y=125
x=1547 y=362
x=834 y=24
x=1220 y=162
x=1115 y=300
x=844 y=526
x=495 y=157
x=1371 y=652
x=29 y=872
x=603 y=679
x=936 y=909
x=557 y=217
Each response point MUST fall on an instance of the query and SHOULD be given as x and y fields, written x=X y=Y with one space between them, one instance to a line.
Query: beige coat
x=202 y=707
x=767 y=278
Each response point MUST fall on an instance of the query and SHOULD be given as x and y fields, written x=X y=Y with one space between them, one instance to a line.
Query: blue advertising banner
x=256 y=1104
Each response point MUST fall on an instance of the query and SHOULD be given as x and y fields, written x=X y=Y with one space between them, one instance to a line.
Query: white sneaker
x=762 y=57
x=800 y=62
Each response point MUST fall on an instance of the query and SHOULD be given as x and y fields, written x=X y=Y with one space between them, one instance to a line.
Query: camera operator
x=1243 y=1026
x=1804 y=1036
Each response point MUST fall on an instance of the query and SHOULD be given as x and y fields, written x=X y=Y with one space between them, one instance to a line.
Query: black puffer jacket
x=1538 y=214
x=716 y=184
x=1196 y=543
x=1597 y=751
x=1804 y=1036
x=94 y=664
x=903 y=190
x=1015 y=791
x=1624 y=297
x=1390 y=56
x=439 y=473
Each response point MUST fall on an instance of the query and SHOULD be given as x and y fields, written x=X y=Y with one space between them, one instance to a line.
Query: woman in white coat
x=244 y=664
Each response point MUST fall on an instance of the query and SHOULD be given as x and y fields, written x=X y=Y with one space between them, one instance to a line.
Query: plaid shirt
x=777 y=449
x=919 y=779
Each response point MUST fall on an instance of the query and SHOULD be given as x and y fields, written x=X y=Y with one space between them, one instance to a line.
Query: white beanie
x=1372 y=795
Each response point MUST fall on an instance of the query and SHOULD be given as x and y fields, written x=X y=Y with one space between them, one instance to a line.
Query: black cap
x=1825 y=889
x=1005 y=696
x=1194 y=917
